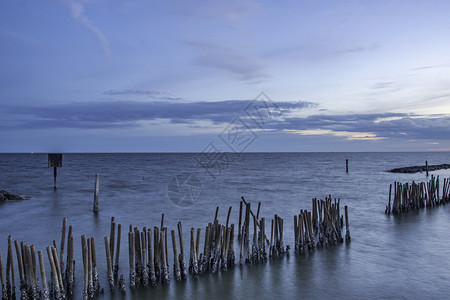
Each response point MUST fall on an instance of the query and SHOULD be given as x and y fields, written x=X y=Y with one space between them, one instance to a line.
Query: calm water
x=406 y=257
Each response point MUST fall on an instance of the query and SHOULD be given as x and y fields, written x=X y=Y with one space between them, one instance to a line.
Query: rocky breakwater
x=4 y=195
x=416 y=169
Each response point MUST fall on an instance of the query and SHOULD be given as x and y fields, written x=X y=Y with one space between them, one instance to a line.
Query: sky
x=224 y=76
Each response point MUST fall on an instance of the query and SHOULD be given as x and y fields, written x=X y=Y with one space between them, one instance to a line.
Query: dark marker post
x=346 y=165
x=55 y=161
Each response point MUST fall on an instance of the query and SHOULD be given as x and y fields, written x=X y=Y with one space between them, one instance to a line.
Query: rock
x=4 y=195
x=416 y=169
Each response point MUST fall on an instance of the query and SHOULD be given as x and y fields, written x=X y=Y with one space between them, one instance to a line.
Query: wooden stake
x=116 y=266
x=61 y=248
x=96 y=192
x=45 y=294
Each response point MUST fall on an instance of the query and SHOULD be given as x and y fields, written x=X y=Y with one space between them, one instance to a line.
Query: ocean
x=389 y=257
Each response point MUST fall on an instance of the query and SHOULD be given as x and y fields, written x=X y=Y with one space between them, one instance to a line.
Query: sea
x=389 y=257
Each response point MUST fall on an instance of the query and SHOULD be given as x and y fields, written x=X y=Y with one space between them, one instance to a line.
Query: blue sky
x=158 y=76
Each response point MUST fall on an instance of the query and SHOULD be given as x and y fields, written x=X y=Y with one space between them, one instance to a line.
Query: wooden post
x=54 y=274
x=108 y=263
x=54 y=161
x=2 y=277
x=97 y=187
x=116 y=266
x=347 y=227
x=43 y=277
x=176 y=263
x=346 y=165
x=240 y=220
x=54 y=177
x=61 y=248
x=426 y=167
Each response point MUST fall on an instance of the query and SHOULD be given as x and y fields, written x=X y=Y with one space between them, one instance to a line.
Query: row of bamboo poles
x=414 y=196
x=323 y=224
x=148 y=252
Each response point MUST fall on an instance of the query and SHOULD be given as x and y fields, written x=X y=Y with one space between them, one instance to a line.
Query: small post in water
x=97 y=187
x=346 y=166
x=54 y=161
x=426 y=167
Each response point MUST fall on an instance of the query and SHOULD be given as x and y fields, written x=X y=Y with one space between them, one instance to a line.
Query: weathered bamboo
x=131 y=259
x=19 y=263
x=109 y=263
x=10 y=285
x=194 y=256
x=181 y=258
x=217 y=252
x=58 y=270
x=112 y=237
x=156 y=253
x=89 y=266
x=122 y=284
x=116 y=265
x=176 y=263
x=145 y=277
x=164 y=267
x=70 y=265
x=2 y=277
x=151 y=261
x=96 y=192
x=95 y=280
x=206 y=251
x=86 y=273
x=228 y=217
x=45 y=294
x=347 y=226
x=61 y=248
x=240 y=220
x=54 y=274
x=35 y=287
x=138 y=256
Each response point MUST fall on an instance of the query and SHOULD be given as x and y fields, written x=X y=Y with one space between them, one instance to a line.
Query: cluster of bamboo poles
x=324 y=224
x=148 y=252
x=414 y=196
x=62 y=281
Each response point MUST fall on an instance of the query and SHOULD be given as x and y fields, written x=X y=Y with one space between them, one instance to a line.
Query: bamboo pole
x=108 y=263
x=181 y=258
x=347 y=227
x=2 y=277
x=176 y=263
x=131 y=259
x=45 y=294
x=96 y=192
x=54 y=274
x=95 y=280
x=86 y=273
x=116 y=266
x=164 y=268
x=145 y=276
x=112 y=237
x=19 y=262
x=151 y=260
x=61 y=248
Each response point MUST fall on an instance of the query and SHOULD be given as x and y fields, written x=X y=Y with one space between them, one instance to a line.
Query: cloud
x=358 y=49
x=149 y=93
x=77 y=12
x=243 y=65
x=132 y=92
x=282 y=118
x=108 y=114
x=371 y=126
